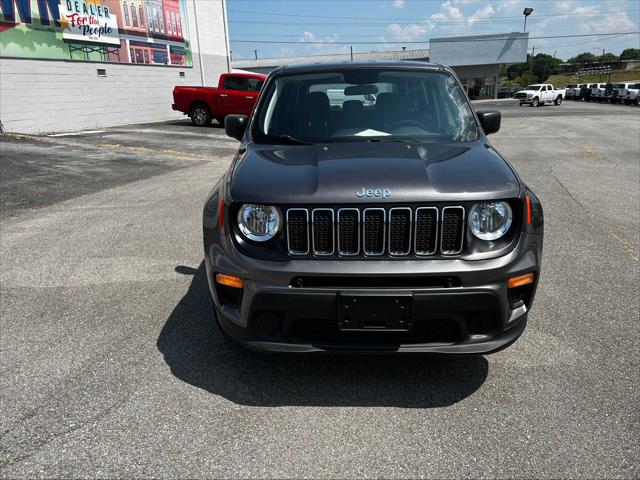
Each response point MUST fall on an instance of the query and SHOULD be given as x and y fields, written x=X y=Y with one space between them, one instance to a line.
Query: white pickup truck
x=620 y=91
x=633 y=94
x=597 y=91
x=540 y=93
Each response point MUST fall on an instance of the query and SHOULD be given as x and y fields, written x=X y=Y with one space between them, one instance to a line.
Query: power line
x=369 y=1
x=333 y=34
x=413 y=19
x=452 y=40
x=421 y=21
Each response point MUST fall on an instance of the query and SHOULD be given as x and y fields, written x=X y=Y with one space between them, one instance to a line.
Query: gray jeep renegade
x=366 y=211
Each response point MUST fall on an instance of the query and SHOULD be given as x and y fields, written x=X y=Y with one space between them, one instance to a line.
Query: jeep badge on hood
x=377 y=192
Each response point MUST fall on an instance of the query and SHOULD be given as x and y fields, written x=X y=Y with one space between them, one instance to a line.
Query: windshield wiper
x=396 y=139
x=290 y=139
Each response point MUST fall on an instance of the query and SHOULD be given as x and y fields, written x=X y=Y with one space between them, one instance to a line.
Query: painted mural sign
x=88 y=22
x=123 y=31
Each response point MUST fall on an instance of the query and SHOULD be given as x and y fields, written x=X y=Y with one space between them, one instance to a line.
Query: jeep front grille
x=298 y=231
x=397 y=232
x=452 y=231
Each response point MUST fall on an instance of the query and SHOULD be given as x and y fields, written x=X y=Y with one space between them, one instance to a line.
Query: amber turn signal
x=520 y=280
x=229 y=280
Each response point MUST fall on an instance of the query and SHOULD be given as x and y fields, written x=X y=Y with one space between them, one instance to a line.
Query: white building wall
x=45 y=96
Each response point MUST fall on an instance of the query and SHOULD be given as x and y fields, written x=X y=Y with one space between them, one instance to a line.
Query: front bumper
x=475 y=314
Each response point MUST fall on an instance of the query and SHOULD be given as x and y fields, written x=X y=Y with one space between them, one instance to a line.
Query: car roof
x=245 y=75
x=399 y=64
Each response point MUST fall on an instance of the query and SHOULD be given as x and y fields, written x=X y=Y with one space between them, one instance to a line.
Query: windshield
x=363 y=105
x=533 y=87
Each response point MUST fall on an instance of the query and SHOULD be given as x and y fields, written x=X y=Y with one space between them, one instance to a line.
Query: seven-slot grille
x=397 y=231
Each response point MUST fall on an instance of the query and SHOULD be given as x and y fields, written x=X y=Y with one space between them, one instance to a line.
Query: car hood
x=334 y=173
x=528 y=91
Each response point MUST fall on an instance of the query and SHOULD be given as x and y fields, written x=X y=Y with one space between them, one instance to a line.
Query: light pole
x=527 y=11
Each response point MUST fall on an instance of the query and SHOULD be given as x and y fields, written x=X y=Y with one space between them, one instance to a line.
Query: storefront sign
x=83 y=21
x=153 y=32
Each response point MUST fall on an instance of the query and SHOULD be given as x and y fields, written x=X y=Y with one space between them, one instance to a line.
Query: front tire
x=535 y=102
x=558 y=100
x=200 y=115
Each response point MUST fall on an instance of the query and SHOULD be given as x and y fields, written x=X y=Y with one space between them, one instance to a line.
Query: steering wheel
x=405 y=123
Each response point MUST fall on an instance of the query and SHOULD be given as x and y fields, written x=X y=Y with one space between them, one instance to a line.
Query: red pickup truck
x=236 y=93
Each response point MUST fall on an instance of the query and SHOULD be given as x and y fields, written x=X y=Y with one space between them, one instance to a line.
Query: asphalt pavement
x=111 y=366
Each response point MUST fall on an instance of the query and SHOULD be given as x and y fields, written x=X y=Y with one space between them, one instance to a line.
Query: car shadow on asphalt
x=198 y=353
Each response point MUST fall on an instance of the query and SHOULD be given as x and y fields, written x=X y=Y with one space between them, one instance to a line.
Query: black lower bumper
x=426 y=337
x=457 y=321
x=454 y=306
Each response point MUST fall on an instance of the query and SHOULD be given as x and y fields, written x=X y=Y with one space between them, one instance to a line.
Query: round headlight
x=259 y=222
x=490 y=221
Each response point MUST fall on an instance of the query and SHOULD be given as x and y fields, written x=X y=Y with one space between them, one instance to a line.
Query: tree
x=524 y=80
x=585 y=57
x=608 y=57
x=630 y=54
x=515 y=70
x=543 y=66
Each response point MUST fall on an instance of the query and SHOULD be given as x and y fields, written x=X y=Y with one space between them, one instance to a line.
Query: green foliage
x=543 y=66
x=524 y=80
x=608 y=57
x=560 y=81
x=630 y=54
x=585 y=57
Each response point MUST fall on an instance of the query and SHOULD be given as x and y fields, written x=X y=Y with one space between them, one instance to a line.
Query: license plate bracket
x=375 y=312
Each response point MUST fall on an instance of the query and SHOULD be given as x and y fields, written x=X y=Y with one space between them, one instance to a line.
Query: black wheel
x=200 y=115
x=558 y=100
x=535 y=102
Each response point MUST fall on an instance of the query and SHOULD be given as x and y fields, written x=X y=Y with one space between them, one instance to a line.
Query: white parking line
x=69 y=134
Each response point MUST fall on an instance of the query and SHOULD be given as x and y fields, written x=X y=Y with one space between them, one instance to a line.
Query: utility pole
x=255 y=53
x=533 y=53
x=352 y=53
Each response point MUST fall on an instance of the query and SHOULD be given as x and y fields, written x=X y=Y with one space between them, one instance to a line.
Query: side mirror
x=490 y=121
x=235 y=125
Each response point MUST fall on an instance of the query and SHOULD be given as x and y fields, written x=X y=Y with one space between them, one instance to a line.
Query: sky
x=313 y=27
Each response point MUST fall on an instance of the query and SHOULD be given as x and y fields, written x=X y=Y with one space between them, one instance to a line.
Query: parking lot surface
x=111 y=364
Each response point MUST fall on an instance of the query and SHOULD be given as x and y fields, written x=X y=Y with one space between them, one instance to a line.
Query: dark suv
x=370 y=226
